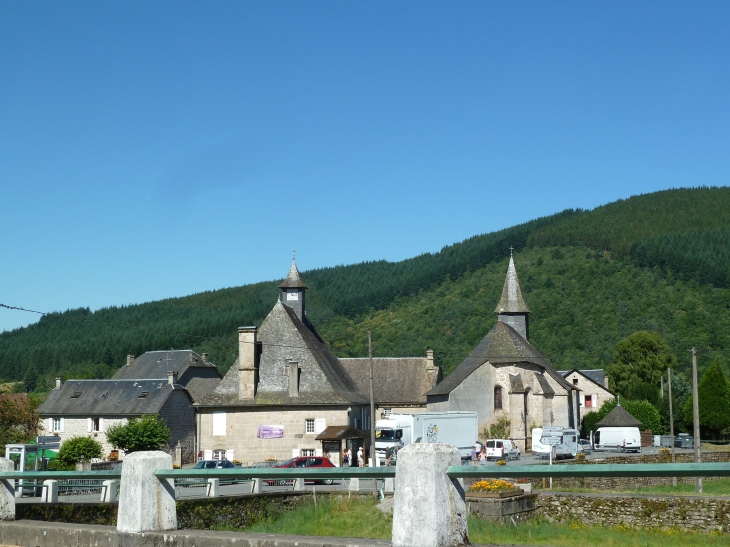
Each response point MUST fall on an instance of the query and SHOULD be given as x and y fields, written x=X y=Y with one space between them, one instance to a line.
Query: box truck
x=458 y=429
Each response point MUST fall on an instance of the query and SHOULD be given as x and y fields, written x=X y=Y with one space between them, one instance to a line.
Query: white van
x=625 y=439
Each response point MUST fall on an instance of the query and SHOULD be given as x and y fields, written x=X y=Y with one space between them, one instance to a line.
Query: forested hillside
x=654 y=262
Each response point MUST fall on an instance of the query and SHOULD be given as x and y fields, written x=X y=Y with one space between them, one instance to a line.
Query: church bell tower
x=512 y=308
x=292 y=291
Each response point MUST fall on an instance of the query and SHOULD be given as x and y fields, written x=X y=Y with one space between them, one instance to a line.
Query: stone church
x=505 y=378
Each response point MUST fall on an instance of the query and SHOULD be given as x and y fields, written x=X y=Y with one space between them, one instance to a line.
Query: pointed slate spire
x=512 y=301
x=293 y=280
x=512 y=308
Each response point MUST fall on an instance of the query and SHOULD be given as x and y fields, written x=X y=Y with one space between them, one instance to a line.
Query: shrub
x=145 y=433
x=499 y=430
x=77 y=449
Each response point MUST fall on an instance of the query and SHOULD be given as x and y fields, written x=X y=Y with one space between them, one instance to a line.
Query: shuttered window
x=219 y=423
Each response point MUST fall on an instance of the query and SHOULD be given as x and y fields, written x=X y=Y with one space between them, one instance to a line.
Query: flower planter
x=503 y=494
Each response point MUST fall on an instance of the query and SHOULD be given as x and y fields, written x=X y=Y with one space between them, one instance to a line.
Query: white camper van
x=625 y=439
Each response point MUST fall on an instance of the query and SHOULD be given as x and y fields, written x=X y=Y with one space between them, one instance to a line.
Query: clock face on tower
x=292 y=296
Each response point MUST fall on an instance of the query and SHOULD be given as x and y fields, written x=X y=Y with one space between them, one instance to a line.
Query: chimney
x=130 y=359
x=247 y=363
x=429 y=361
x=205 y=358
x=605 y=382
x=293 y=372
x=171 y=377
x=59 y=382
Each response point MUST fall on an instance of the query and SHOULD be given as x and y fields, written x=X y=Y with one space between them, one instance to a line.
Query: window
x=497 y=397
x=575 y=381
x=219 y=423
x=320 y=424
x=143 y=395
x=57 y=424
x=219 y=455
x=95 y=424
x=589 y=401
x=76 y=395
x=307 y=452
x=386 y=412
x=309 y=423
x=103 y=395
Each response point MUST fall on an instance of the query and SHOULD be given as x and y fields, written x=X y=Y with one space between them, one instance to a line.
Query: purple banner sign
x=270 y=432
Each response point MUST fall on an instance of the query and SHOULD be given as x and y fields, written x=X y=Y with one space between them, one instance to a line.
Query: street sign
x=49 y=439
x=554 y=429
x=550 y=441
x=49 y=446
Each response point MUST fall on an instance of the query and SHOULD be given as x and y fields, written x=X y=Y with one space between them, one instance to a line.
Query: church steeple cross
x=511 y=248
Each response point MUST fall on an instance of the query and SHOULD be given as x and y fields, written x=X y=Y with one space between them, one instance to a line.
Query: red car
x=306 y=461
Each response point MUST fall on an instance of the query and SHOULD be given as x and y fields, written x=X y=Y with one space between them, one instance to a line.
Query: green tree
x=713 y=393
x=641 y=360
x=681 y=392
x=643 y=411
x=146 y=433
x=78 y=448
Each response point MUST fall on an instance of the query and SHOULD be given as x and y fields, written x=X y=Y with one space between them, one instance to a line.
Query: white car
x=502 y=449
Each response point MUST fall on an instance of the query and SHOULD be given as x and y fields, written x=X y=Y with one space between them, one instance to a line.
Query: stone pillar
x=7 y=492
x=354 y=485
x=214 y=488
x=109 y=491
x=429 y=508
x=389 y=485
x=299 y=485
x=146 y=504
x=50 y=491
x=256 y=486
x=247 y=363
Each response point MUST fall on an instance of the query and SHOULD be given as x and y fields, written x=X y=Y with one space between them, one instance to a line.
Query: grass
x=713 y=487
x=359 y=517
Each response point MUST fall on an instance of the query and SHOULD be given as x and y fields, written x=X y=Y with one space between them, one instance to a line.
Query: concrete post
x=214 y=488
x=299 y=485
x=50 y=491
x=146 y=504
x=7 y=492
x=429 y=508
x=389 y=485
x=354 y=485
x=109 y=491
x=256 y=486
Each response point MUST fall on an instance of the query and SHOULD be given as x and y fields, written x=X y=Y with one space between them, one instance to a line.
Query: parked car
x=304 y=461
x=215 y=464
x=584 y=446
x=502 y=449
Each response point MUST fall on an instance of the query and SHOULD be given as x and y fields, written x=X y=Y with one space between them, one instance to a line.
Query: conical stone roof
x=512 y=301
x=619 y=417
x=293 y=280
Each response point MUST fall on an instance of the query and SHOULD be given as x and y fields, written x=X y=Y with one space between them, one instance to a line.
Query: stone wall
x=700 y=514
x=81 y=427
x=629 y=483
x=242 y=432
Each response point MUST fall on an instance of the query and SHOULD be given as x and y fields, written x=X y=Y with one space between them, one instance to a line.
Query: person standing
x=360 y=457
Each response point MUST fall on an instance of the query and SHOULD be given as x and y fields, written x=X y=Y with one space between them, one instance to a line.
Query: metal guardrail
x=319 y=473
x=73 y=475
x=593 y=470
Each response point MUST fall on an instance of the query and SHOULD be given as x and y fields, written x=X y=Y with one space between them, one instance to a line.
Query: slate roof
x=281 y=319
x=593 y=375
x=155 y=364
x=619 y=417
x=501 y=345
x=512 y=301
x=199 y=388
x=396 y=380
x=84 y=398
x=293 y=280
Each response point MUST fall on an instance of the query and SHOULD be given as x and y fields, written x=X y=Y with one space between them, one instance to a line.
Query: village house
x=593 y=386
x=158 y=382
x=289 y=395
x=504 y=378
x=87 y=408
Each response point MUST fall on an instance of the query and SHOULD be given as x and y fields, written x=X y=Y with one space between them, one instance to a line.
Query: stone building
x=399 y=383
x=284 y=389
x=80 y=408
x=593 y=386
x=505 y=378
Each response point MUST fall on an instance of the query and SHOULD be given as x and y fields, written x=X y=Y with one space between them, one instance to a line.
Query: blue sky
x=151 y=150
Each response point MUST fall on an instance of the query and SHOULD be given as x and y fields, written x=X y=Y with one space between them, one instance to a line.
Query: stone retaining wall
x=699 y=514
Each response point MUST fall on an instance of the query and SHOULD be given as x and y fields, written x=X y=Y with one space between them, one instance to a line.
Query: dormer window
x=143 y=395
x=76 y=395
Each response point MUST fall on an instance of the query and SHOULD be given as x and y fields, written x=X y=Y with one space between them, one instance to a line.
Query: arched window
x=497 y=397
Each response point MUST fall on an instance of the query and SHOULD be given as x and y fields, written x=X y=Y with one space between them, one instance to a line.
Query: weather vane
x=293 y=255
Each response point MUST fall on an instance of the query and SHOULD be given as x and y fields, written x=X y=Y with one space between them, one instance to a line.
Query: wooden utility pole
x=373 y=454
x=671 y=419
x=696 y=418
